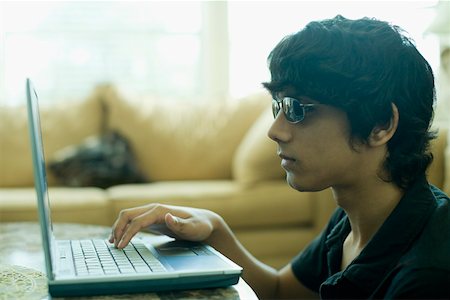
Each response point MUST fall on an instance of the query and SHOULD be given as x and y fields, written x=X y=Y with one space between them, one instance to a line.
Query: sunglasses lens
x=293 y=110
x=275 y=108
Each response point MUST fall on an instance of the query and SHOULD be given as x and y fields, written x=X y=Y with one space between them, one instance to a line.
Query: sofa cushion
x=256 y=157
x=176 y=140
x=63 y=124
x=239 y=206
x=69 y=205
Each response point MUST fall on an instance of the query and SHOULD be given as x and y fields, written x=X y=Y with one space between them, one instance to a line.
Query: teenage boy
x=352 y=101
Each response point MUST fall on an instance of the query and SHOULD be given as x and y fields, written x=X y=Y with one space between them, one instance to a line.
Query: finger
x=111 y=238
x=125 y=216
x=153 y=216
x=119 y=227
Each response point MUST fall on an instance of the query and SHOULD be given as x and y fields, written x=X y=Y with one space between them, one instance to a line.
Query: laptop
x=96 y=267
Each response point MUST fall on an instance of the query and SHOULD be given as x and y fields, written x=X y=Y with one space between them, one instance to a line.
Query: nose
x=279 y=130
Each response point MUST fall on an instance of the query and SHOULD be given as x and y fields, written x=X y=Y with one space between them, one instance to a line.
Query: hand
x=179 y=222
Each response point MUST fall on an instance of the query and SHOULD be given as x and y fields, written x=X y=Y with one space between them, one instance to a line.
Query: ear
x=381 y=134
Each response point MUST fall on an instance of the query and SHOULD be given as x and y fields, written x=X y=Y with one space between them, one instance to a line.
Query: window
x=68 y=47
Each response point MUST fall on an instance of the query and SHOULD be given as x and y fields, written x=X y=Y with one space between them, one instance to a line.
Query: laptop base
x=139 y=286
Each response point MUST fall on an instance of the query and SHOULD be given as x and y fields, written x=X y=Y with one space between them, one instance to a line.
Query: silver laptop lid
x=40 y=177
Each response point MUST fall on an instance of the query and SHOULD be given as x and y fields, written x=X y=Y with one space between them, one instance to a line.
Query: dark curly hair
x=362 y=67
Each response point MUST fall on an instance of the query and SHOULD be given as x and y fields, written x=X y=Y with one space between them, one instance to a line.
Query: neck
x=367 y=206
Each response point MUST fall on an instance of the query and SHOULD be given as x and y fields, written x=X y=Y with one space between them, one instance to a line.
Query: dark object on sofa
x=100 y=161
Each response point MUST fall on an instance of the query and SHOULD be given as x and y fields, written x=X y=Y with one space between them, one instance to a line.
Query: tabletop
x=22 y=267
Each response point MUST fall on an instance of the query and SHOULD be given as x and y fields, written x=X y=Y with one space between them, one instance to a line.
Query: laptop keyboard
x=97 y=257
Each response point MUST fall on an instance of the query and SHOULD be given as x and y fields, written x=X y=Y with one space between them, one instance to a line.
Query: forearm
x=262 y=278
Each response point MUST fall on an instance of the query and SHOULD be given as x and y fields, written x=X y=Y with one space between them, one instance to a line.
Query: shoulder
x=424 y=269
x=427 y=263
x=414 y=283
x=442 y=199
x=432 y=247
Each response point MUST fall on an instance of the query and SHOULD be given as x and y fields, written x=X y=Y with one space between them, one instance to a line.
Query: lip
x=285 y=157
x=287 y=162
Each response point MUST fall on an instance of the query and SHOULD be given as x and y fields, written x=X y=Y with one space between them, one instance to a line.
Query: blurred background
x=186 y=49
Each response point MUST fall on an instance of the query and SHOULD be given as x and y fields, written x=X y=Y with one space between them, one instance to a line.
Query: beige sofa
x=213 y=155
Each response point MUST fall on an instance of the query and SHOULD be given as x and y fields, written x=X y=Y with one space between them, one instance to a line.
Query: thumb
x=191 y=228
x=176 y=224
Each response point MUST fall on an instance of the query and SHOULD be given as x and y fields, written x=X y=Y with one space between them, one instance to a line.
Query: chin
x=303 y=185
x=295 y=183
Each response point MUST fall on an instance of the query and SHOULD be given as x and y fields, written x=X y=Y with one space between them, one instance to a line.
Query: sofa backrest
x=183 y=140
x=171 y=140
x=67 y=123
x=256 y=158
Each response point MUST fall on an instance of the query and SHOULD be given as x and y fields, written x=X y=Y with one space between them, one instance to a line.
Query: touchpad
x=175 y=251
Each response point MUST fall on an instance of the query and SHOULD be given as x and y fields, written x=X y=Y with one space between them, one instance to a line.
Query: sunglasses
x=293 y=109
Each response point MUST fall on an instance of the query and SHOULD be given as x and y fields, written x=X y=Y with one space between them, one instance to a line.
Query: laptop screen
x=40 y=176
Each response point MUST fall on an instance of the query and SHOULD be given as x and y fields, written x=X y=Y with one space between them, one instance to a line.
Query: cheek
x=321 y=164
x=324 y=154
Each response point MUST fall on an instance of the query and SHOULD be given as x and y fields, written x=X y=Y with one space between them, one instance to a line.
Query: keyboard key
x=96 y=257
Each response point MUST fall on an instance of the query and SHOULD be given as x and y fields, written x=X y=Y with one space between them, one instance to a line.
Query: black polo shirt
x=409 y=256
